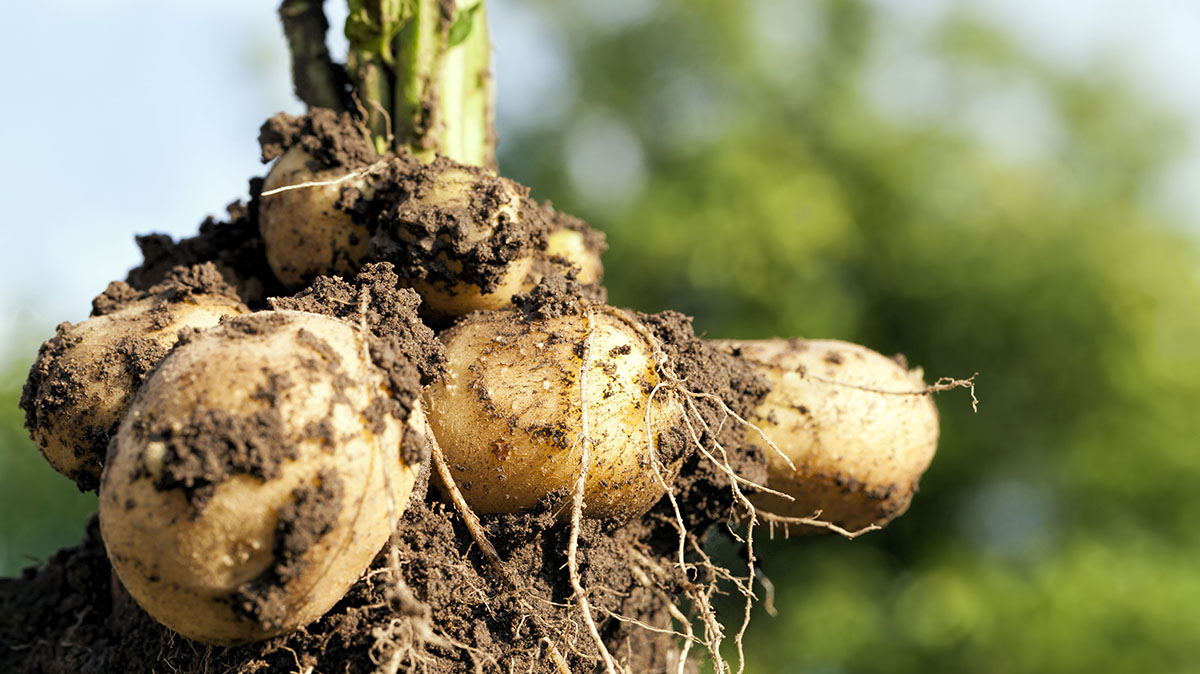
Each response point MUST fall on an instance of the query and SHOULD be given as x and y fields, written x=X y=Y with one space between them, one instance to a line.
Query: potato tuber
x=859 y=427
x=255 y=477
x=523 y=393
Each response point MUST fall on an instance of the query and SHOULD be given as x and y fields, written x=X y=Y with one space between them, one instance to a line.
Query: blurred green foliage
x=785 y=193
x=992 y=215
x=40 y=510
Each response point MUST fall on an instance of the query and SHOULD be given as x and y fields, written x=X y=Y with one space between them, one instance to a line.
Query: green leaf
x=461 y=28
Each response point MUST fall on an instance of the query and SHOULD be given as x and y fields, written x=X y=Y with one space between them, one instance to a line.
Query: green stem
x=424 y=64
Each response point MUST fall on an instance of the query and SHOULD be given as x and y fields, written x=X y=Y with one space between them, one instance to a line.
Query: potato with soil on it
x=860 y=428
x=571 y=245
x=461 y=236
x=85 y=377
x=256 y=475
x=510 y=415
x=306 y=234
x=303 y=210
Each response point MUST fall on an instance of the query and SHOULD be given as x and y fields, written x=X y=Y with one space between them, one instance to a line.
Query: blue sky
x=131 y=116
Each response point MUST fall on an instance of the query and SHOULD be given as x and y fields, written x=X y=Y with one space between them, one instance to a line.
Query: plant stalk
x=319 y=82
x=420 y=79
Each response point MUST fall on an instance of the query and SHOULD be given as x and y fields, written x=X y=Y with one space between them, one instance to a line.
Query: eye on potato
x=509 y=414
x=858 y=452
x=255 y=476
x=86 y=375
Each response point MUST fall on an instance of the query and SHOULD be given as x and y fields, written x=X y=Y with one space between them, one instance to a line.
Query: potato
x=305 y=234
x=84 y=378
x=461 y=236
x=569 y=249
x=858 y=453
x=509 y=414
x=257 y=474
x=574 y=248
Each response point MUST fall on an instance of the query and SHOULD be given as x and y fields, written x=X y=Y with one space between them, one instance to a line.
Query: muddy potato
x=573 y=247
x=84 y=378
x=858 y=453
x=255 y=477
x=470 y=235
x=509 y=414
x=568 y=249
x=306 y=235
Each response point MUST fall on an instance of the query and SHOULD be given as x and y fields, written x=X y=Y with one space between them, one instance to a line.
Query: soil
x=234 y=247
x=437 y=241
x=451 y=615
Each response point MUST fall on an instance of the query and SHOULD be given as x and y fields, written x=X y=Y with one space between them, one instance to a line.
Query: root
x=585 y=465
x=813 y=520
x=323 y=183
x=942 y=384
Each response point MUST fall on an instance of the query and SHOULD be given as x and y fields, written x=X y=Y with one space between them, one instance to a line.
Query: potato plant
x=266 y=486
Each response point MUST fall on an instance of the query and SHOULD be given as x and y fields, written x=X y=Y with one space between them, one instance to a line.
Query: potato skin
x=248 y=486
x=305 y=234
x=85 y=377
x=858 y=454
x=509 y=414
x=573 y=247
x=566 y=250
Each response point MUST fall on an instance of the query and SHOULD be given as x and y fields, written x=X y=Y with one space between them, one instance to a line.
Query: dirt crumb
x=558 y=295
x=332 y=139
x=234 y=247
x=400 y=342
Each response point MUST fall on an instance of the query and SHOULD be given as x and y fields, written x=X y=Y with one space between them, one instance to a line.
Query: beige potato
x=858 y=453
x=567 y=249
x=473 y=224
x=462 y=298
x=86 y=376
x=510 y=413
x=306 y=235
x=572 y=246
x=255 y=477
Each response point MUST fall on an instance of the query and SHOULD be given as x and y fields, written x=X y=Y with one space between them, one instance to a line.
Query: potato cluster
x=252 y=461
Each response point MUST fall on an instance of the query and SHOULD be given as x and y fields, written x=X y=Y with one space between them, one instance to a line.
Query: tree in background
x=996 y=219
x=779 y=171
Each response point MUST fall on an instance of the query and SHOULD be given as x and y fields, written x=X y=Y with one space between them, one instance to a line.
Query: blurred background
x=1002 y=187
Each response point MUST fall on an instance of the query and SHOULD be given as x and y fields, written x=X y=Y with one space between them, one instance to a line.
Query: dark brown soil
x=703 y=487
x=235 y=248
x=331 y=139
x=71 y=616
x=434 y=242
